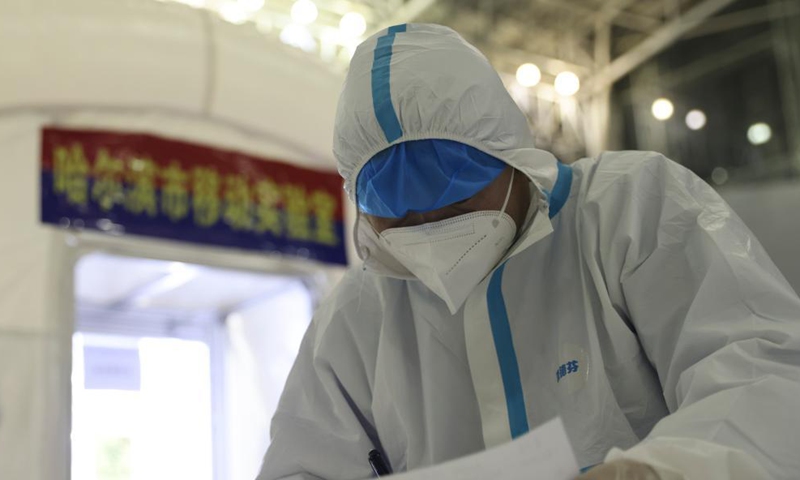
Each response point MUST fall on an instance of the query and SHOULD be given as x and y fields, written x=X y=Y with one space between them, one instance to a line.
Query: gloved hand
x=621 y=470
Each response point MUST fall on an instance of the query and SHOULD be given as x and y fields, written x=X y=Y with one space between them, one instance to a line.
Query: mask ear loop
x=496 y=221
x=363 y=253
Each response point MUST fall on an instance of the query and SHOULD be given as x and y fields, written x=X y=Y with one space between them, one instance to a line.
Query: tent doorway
x=177 y=367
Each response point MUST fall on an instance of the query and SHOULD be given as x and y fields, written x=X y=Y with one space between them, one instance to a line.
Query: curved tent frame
x=141 y=66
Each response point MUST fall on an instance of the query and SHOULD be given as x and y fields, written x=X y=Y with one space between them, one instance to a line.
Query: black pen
x=378 y=465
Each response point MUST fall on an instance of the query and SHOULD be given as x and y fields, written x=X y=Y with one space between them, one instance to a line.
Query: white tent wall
x=34 y=334
x=165 y=57
x=140 y=66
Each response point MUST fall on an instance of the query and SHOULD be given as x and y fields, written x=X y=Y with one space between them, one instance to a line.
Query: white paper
x=541 y=454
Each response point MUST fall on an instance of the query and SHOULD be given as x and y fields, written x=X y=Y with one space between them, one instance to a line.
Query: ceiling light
x=298 y=36
x=264 y=24
x=662 y=109
x=304 y=12
x=251 y=5
x=528 y=75
x=353 y=25
x=233 y=12
x=696 y=119
x=193 y=3
x=719 y=176
x=567 y=84
x=759 y=133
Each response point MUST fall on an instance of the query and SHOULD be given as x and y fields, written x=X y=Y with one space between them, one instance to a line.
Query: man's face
x=490 y=198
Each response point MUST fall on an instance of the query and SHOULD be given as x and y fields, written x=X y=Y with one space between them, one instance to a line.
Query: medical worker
x=501 y=288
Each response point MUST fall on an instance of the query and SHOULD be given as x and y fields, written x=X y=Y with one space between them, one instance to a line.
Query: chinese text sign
x=148 y=185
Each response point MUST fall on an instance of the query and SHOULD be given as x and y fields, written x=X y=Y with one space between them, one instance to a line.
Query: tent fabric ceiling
x=125 y=282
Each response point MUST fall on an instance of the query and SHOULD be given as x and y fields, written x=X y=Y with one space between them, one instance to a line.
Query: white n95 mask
x=452 y=256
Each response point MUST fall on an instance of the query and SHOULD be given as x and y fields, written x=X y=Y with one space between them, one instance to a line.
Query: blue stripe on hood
x=381 y=91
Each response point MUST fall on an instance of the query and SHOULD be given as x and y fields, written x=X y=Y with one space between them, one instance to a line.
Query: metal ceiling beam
x=610 y=10
x=631 y=21
x=598 y=108
x=639 y=23
x=547 y=64
x=655 y=43
x=786 y=47
x=716 y=63
x=552 y=47
x=744 y=18
x=731 y=21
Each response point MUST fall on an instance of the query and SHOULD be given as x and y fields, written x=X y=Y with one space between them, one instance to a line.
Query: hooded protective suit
x=634 y=304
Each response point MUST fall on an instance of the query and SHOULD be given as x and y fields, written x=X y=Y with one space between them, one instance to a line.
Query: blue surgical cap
x=423 y=175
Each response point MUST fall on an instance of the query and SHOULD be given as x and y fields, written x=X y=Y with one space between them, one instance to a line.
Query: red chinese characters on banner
x=172 y=189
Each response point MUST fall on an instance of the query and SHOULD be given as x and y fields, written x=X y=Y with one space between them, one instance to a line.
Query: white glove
x=624 y=469
x=690 y=459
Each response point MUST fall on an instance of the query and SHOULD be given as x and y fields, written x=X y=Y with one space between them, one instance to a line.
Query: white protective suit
x=635 y=304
